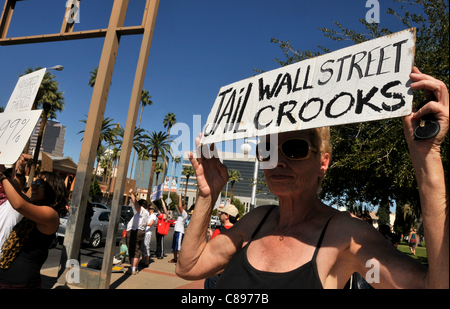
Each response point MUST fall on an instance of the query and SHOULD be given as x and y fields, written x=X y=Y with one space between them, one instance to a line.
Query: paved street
x=88 y=253
x=159 y=275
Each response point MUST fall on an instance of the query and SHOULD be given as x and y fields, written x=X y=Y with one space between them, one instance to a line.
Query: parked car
x=100 y=205
x=215 y=222
x=99 y=227
x=127 y=213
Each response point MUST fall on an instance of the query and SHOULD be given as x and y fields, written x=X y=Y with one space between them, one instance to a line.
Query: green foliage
x=371 y=162
x=95 y=188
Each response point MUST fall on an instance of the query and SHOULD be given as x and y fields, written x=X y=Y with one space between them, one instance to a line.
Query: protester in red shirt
x=228 y=216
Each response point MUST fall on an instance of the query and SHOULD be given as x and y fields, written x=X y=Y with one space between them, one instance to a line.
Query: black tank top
x=26 y=268
x=240 y=274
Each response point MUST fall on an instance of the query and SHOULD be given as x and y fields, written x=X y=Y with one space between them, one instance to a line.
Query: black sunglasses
x=293 y=149
x=38 y=183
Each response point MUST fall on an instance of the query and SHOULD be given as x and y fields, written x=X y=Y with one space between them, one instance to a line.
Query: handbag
x=163 y=226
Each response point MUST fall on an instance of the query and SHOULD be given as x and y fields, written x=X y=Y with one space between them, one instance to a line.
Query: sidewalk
x=159 y=275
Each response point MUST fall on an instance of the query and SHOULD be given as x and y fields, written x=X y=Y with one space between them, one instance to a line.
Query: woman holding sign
x=26 y=248
x=303 y=243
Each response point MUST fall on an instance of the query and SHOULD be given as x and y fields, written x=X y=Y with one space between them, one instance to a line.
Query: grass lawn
x=421 y=253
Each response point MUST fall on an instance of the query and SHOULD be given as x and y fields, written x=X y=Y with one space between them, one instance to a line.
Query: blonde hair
x=320 y=138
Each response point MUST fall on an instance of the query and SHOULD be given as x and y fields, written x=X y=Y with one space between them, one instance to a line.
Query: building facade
x=53 y=139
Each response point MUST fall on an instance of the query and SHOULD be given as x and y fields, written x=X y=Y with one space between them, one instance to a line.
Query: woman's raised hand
x=211 y=174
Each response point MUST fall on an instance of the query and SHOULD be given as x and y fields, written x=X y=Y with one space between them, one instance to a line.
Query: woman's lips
x=280 y=177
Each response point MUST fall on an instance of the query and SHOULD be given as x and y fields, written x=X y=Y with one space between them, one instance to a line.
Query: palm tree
x=51 y=100
x=233 y=176
x=138 y=138
x=158 y=143
x=108 y=131
x=101 y=151
x=115 y=156
x=145 y=100
x=93 y=77
x=168 y=122
x=158 y=169
x=188 y=171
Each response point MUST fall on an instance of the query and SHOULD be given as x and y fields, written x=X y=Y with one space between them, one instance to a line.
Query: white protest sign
x=15 y=131
x=364 y=82
x=25 y=92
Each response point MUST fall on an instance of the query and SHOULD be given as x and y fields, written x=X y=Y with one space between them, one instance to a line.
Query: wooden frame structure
x=90 y=278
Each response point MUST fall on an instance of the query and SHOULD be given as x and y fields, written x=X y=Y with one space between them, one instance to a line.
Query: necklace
x=283 y=234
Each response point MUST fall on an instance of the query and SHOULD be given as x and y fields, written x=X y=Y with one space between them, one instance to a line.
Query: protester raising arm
x=426 y=158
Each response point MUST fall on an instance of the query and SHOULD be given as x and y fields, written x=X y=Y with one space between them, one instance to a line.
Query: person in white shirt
x=179 y=229
x=152 y=219
x=9 y=217
x=136 y=231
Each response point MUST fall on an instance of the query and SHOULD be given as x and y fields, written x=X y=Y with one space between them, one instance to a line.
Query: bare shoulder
x=347 y=228
x=250 y=221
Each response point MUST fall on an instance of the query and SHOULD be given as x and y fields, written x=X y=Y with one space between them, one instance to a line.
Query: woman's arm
x=133 y=199
x=200 y=259
x=426 y=158
x=46 y=218
x=166 y=213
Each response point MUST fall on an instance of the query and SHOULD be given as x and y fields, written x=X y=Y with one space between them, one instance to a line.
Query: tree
x=138 y=138
x=93 y=77
x=108 y=131
x=233 y=176
x=188 y=171
x=158 y=169
x=158 y=143
x=51 y=100
x=371 y=161
x=168 y=122
x=145 y=100
x=101 y=151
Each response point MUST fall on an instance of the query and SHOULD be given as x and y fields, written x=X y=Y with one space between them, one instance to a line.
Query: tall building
x=53 y=140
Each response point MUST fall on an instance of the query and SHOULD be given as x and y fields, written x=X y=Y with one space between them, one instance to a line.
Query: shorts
x=134 y=240
x=176 y=241
x=413 y=244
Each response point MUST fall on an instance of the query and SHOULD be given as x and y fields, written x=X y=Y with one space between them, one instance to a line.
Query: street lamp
x=245 y=149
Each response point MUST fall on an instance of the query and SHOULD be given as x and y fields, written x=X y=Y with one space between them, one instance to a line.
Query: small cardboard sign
x=15 y=131
x=25 y=92
x=365 y=82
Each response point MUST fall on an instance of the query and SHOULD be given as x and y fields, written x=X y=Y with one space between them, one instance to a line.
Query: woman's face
x=38 y=190
x=291 y=177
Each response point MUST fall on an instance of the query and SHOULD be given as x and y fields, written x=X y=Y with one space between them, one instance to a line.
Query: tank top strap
x=262 y=222
x=319 y=243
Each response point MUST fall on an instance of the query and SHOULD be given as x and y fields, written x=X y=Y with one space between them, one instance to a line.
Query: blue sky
x=198 y=46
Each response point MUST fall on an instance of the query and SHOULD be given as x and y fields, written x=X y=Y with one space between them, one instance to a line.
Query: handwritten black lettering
x=385 y=93
x=355 y=65
x=286 y=81
x=361 y=101
x=382 y=59
x=305 y=105
x=334 y=100
x=288 y=114
x=265 y=89
x=398 y=54
x=329 y=70
x=256 y=122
